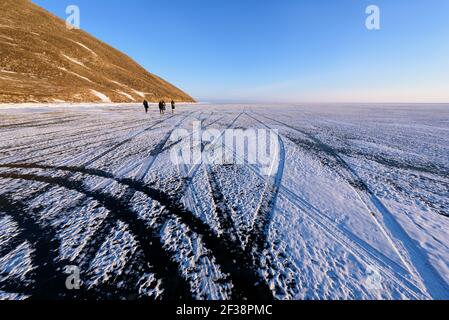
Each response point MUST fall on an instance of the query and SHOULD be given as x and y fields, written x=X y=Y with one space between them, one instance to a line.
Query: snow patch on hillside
x=75 y=74
x=7 y=71
x=85 y=47
x=6 y=37
x=126 y=95
x=101 y=96
x=74 y=60
x=9 y=43
x=139 y=93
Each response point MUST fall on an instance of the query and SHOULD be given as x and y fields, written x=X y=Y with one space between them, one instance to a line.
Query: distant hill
x=43 y=61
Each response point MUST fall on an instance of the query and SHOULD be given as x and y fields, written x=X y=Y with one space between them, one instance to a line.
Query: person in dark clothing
x=161 y=107
x=173 y=107
x=145 y=105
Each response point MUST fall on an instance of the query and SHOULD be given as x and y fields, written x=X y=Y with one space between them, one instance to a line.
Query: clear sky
x=281 y=50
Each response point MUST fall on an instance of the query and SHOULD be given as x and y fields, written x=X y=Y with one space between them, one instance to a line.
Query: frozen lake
x=356 y=205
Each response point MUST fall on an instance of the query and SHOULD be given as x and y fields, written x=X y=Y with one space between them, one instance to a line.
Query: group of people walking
x=162 y=106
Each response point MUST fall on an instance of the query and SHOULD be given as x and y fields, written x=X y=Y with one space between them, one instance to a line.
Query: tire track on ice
x=66 y=137
x=117 y=145
x=247 y=281
x=222 y=210
x=98 y=157
x=163 y=267
x=367 y=254
x=406 y=248
x=106 y=226
x=65 y=141
x=267 y=205
x=38 y=123
x=243 y=272
x=233 y=261
x=48 y=275
x=50 y=186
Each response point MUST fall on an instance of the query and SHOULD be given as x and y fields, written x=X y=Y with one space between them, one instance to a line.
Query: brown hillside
x=43 y=61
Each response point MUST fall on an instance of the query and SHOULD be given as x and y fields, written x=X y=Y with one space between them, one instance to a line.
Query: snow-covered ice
x=357 y=208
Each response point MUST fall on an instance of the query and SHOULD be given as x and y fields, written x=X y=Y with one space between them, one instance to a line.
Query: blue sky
x=281 y=50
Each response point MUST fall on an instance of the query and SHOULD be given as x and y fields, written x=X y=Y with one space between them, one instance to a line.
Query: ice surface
x=357 y=207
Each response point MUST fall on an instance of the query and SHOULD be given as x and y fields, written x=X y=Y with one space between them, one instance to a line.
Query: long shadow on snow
x=234 y=261
x=163 y=267
x=48 y=275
